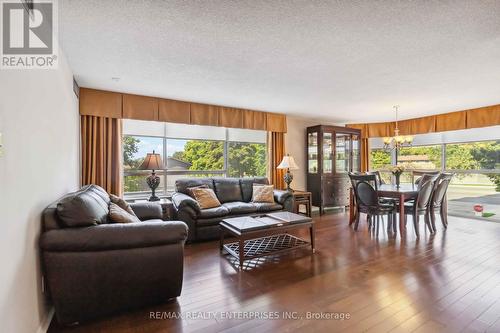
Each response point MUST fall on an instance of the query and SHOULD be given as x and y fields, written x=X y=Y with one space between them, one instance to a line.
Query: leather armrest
x=147 y=210
x=116 y=236
x=181 y=200
x=280 y=196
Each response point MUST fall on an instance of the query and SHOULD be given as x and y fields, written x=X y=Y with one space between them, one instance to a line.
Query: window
x=380 y=159
x=246 y=159
x=135 y=149
x=420 y=157
x=475 y=164
x=477 y=171
x=191 y=151
x=195 y=155
x=473 y=156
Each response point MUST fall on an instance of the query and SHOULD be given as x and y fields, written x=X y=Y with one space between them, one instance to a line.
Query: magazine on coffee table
x=288 y=217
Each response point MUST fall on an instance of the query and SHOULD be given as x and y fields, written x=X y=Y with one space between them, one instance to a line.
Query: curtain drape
x=365 y=155
x=101 y=152
x=276 y=152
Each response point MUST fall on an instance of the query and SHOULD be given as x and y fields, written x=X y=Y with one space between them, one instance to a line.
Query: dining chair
x=420 y=173
x=420 y=206
x=380 y=181
x=369 y=201
x=356 y=178
x=438 y=200
x=425 y=178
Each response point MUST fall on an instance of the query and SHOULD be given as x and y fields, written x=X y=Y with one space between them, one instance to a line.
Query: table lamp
x=152 y=162
x=288 y=163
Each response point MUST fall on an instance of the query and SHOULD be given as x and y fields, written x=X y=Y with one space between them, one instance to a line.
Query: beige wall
x=40 y=162
x=295 y=145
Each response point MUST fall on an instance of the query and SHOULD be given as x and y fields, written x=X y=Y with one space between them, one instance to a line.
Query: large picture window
x=134 y=150
x=200 y=151
x=246 y=159
x=475 y=165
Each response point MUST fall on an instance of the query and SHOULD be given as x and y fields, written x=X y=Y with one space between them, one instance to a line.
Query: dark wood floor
x=447 y=282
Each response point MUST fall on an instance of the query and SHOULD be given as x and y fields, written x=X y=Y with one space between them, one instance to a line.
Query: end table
x=302 y=198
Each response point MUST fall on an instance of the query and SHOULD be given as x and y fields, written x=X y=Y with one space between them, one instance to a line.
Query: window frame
x=443 y=159
x=165 y=172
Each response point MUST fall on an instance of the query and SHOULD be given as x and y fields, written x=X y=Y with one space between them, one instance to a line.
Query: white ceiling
x=343 y=61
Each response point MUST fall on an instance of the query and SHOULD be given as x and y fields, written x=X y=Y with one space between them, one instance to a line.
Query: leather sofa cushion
x=247 y=186
x=114 y=236
x=228 y=189
x=182 y=185
x=120 y=215
x=239 y=207
x=213 y=212
x=205 y=197
x=85 y=207
x=267 y=207
x=147 y=210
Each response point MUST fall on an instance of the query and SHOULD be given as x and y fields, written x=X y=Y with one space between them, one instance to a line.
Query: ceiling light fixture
x=397 y=141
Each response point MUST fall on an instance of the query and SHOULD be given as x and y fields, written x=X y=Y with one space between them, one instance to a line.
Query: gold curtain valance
x=473 y=118
x=117 y=105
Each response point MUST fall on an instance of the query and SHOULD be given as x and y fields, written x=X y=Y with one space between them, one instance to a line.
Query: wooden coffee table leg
x=311 y=232
x=221 y=245
x=242 y=251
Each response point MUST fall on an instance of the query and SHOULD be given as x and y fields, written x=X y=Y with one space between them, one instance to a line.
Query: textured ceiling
x=344 y=61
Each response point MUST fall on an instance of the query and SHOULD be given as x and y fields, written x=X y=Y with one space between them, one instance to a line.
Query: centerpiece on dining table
x=397 y=170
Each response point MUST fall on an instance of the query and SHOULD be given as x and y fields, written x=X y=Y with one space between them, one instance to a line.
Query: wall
x=40 y=162
x=295 y=145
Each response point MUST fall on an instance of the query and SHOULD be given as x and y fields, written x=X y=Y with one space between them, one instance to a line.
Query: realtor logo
x=29 y=34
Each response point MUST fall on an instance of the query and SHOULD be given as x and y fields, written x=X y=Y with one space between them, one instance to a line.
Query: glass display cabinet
x=332 y=152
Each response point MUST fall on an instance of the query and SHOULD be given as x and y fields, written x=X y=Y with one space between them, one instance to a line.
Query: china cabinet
x=332 y=152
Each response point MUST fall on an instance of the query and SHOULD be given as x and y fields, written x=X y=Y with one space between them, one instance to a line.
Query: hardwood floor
x=447 y=282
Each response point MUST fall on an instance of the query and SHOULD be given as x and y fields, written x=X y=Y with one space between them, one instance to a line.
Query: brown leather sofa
x=94 y=268
x=235 y=195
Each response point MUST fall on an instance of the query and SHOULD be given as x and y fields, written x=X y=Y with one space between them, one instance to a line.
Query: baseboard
x=44 y=325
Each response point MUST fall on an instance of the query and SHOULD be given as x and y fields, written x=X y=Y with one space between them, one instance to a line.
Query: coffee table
x=264 y=235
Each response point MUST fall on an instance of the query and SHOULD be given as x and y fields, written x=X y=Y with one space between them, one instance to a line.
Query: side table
x=302 y=198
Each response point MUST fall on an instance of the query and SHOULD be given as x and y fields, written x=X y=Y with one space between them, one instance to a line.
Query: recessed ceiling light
x=115 y=79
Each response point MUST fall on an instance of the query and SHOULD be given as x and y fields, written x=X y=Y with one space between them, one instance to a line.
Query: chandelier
x=397 y=141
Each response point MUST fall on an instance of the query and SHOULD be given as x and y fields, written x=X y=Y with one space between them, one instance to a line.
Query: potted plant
x=397 y=170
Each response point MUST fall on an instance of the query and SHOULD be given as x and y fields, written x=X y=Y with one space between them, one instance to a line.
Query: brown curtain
x=276 y=153
x=365 y=149
x=365 y=155
x=101 y=152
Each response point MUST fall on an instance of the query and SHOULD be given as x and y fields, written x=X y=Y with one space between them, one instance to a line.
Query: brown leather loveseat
x=93 y=268
x=235 y=195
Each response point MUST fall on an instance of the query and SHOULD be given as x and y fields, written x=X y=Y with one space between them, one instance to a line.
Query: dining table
x=401 y=193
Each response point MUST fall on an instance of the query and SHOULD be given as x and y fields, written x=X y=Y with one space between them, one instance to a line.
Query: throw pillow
x=122 y=204
x=263 y=193
x=206 y=198
x=120 y=215
x=190 y=189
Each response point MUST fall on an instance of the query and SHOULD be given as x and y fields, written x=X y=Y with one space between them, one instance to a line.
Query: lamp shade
x=288 y=163
x=152 y=162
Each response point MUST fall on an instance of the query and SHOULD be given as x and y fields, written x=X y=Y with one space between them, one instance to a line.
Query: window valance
x=118 y=105
x=473 y=118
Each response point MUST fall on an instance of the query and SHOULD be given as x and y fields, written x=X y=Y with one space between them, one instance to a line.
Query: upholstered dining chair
x=425 y=178
x=355 y=178
x=421 y=206
x=380 y=181
x=368 y=201
x=416 y=175
x=438 y=200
